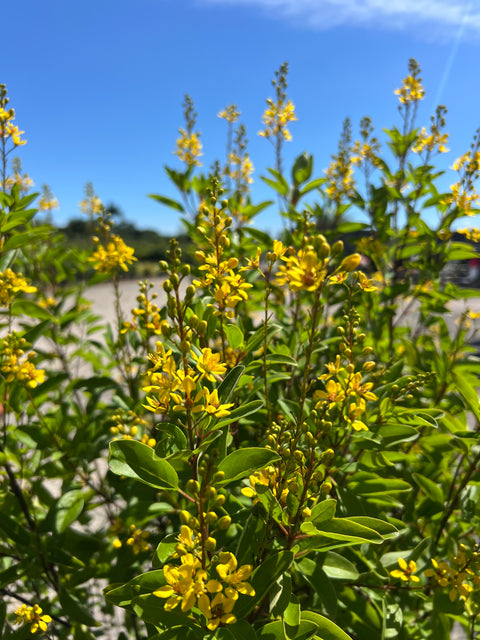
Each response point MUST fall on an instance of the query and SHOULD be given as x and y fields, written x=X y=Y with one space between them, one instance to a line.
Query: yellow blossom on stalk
x=230 y=113
x=464 y=197
x=364 y=151
x=333 y=368
x=411 y=90
x=12 y=283
x=233 y=577
x=470 y=234
x=428 y=141
x=333 y=394
x=406 y=571
x=340 y=180
x=47 y=202
x=189 y=148
x=218 y=611
x=33 y=616
x=138 y=540
x=303 y=271
x=91 y=204
x=181 y=587
x=208 y=364
x=358 y=388
x=24 y=181
x=267 y=477
x=276 y=117
x=14 y=133
x=187 y=541
x=15 y=366
x=213 y=405
x=112 y=257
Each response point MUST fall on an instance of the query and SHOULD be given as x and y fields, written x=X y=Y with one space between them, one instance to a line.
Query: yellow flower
x=218 y=611
x=411 y=90
x=230 y=113
x=406 y=571
x=189 y=148
x=304 y=271
x=137 y=540
x=112 y=257
x=33 y=616
x=235 y=579
x=12 y=283
x=276 y=118
x=213 y=405
x=208 y=364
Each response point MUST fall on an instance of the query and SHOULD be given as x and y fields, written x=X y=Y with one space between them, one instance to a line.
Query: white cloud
x=391 y=14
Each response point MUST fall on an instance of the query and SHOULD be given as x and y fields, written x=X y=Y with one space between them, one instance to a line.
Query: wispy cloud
x=441 y=15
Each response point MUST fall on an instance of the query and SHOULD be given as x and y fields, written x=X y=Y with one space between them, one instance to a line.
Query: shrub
x=289 y=449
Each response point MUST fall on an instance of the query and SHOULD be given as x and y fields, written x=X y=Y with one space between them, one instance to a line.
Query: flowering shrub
x=291 y=426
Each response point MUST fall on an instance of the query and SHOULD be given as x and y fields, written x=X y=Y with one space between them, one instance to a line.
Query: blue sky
x=98 y=85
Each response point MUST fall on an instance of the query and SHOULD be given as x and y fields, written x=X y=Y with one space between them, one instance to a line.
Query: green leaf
x=323 y=511
x=234 y=336
x=68 y=508
x=302 y=168
x=326 y=629
x=241 y=630
x=429 y=488
x=468 y=393
x=262 y=580
x=243 y=462
x=134 y=459
x=151 y=609
x=338 y=567
x=314 y=184
x=291 y=618
x=240 y=412
x=228 y=384
x=22 y=307
x=379 y=486
x=173 y=204
x=146 y=583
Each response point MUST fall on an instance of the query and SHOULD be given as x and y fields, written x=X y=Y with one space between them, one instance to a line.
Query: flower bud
x=368 y=366
x=224 y=522
x=350 y=263
x=210 y=544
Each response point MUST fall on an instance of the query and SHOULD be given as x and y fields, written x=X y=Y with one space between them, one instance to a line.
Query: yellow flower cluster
x=470 y=234
x=230 y=114
x=345 y=392
x=8 y=130
x=137 y=540
x=33 y=616
x=411 y=90
x=307 y=270
x=364 y=151
x=24 y=181
x=189 y=148
x=116 y=254
x=16 y=367
x=406 y=573
x=340 y=180
x=229 y=287
x=462 y=578
x=429 y=141
x=47 y=202
x=146 y=316
x=464 y=196
x=240 y=169
x=189 y=585
x=276 y=117
x=180 y=389
x=91 y=204
x=12 y=283
x=268 y=477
